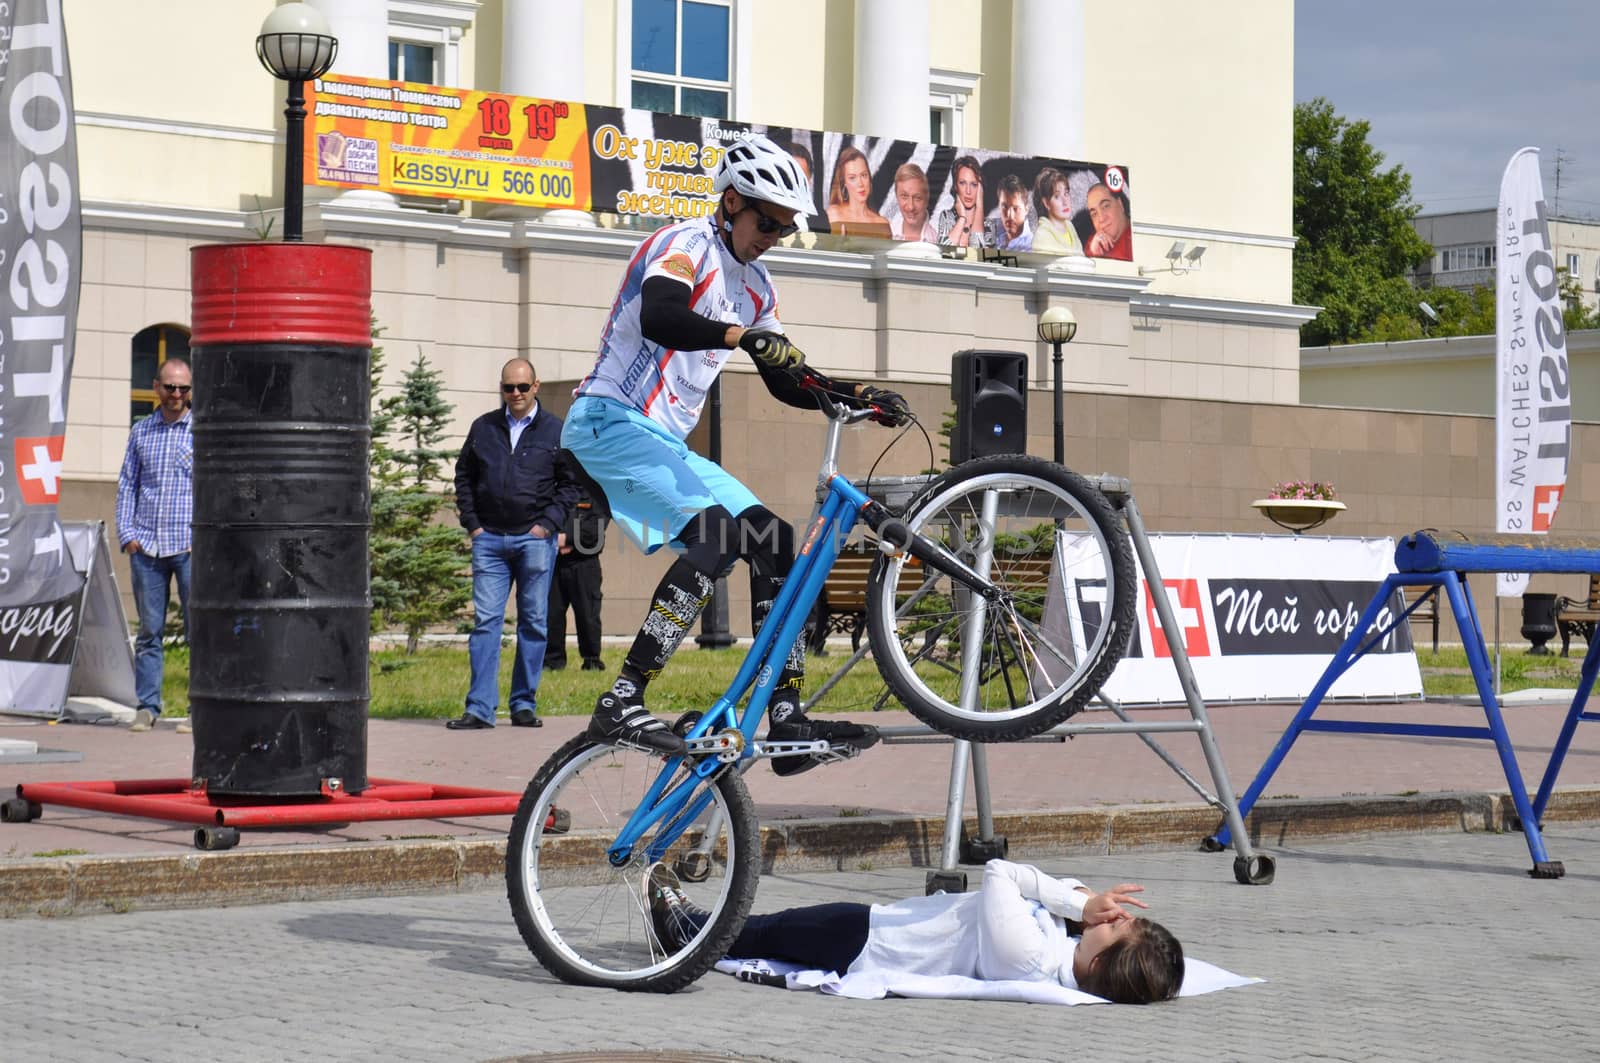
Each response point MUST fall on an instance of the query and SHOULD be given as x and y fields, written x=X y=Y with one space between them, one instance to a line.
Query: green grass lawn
x=433 y=683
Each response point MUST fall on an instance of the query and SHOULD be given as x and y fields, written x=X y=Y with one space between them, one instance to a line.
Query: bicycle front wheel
x=1011 y=666
x=586 y=919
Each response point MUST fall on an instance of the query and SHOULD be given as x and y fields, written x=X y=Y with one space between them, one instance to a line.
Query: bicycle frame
x=680 y=804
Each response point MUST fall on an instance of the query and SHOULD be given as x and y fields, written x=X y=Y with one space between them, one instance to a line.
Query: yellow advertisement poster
x=411 y=139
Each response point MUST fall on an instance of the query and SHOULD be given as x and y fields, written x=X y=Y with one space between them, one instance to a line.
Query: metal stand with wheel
x=1249 y=867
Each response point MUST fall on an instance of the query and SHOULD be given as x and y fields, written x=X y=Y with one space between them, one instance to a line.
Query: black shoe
x=525 y=718
x=469 y=722
x=618 y=721
x=799 y=728
x=593 y=664
x=675 y=920
x=554 y=666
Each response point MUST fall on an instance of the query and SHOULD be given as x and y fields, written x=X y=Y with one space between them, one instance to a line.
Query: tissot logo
x=1546 y=497
x=1184 y=596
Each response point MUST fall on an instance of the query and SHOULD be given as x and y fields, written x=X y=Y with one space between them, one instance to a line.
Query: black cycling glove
x=892 y=409
x=771 y=348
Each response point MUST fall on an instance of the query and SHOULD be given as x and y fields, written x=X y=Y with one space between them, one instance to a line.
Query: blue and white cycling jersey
x=670 y=386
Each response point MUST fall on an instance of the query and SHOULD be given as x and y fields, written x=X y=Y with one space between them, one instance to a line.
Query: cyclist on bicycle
x=691 y=294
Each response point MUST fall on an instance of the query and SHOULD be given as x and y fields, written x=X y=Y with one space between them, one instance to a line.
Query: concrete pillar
x=362 y=27
x=1047 y=78
x=891 y=85
x=541 y=50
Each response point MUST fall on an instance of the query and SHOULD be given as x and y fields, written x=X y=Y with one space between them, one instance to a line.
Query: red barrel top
x=281 y=293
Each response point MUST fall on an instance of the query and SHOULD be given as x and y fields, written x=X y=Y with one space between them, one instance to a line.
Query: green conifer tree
x=419 y=562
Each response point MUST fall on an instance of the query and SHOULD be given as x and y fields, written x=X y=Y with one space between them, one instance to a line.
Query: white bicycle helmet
x=758 y=168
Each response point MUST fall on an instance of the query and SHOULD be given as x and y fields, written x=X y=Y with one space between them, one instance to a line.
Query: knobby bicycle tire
x=585 y=920
x=916 y=616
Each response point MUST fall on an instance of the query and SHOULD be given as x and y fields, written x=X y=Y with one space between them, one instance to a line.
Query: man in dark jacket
x=514 y=491
x=576 y=584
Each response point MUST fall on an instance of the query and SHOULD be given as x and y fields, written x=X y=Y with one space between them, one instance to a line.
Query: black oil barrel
x=279 y=597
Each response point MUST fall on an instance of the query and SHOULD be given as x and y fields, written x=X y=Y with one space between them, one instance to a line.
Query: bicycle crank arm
x=726 y=746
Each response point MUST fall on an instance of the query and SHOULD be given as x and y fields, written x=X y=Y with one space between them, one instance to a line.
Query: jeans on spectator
x=498 y=561
x=152 y=590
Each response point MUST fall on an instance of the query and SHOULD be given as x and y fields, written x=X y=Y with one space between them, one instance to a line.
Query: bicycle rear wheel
x=1011 y=667
x=586 y=920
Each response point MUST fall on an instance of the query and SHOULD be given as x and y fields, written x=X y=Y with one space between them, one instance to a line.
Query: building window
x=150 y=348
x=425 y=39
x=682 y=57
x=411 y=62
x=948 y=92
x=1468 y=256
x=1575 y=266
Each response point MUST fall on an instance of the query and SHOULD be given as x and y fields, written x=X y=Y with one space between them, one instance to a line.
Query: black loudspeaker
x=990 y=389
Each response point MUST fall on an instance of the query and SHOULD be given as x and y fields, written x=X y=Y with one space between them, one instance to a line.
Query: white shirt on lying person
x=1014 y=928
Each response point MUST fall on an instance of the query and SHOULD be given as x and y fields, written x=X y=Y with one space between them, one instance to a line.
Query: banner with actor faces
x=426 y=140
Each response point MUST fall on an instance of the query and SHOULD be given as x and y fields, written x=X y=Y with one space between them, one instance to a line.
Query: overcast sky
x=1453 y=87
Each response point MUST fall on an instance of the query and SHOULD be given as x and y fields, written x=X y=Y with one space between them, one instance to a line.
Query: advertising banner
x=1533 y=385
x=40 y=256
x=74 y=645
x=1261 y=616
x=411 y=139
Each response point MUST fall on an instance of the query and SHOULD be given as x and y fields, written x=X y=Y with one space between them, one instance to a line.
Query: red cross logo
x=38 y=464
x=1184 y=597
x=1546 y=497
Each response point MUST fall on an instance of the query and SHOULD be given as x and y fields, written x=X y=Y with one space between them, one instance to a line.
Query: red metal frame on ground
x=177 y=800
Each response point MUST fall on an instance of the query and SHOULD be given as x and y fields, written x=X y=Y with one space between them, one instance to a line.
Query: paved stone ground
x=1397 y=947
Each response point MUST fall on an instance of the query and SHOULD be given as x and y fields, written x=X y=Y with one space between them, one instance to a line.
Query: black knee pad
x=766 y=540
x=711 y=541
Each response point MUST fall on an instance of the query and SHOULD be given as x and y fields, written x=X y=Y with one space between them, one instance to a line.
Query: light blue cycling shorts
x=651 y=478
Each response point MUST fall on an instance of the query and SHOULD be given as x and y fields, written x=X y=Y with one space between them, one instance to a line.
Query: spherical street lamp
x=296 y=44
x=1057 y=326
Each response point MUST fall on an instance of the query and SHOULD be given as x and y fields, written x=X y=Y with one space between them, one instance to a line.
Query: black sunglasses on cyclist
x=177 y=389
x=769 y=225
x=509 y=388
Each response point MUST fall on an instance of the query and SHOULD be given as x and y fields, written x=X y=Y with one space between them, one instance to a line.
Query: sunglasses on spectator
x=769 y=225
x=509 y=388
x=177 y=389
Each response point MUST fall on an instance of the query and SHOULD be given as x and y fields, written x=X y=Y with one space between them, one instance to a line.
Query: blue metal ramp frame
x=1440 y=560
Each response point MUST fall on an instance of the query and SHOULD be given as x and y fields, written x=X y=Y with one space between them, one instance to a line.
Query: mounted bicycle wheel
x=1009 y=667
x=586 y=920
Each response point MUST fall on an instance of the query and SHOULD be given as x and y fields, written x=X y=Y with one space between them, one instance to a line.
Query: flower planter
x=1298 y=514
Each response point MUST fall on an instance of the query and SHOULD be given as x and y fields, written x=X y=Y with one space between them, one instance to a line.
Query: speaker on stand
x=990 y=390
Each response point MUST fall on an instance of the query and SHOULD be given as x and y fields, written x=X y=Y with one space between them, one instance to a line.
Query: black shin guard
x=680 y=596
x=767 y=543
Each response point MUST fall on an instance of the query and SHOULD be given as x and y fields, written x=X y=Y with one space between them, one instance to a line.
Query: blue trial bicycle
x=965 y=634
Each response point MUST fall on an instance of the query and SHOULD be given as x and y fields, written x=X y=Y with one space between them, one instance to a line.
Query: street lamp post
x=296 y=44
x=714 y=631
x=1057 y=326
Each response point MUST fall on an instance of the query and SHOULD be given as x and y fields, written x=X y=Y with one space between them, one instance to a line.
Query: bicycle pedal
x=819 y=748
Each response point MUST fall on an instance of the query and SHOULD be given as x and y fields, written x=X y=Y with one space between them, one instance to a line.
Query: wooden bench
x=1428 y=613
x=842 y=606
x=1574 y=617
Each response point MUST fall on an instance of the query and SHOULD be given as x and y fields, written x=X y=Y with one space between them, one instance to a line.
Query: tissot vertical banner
x=1533 y=386
x=40 y=255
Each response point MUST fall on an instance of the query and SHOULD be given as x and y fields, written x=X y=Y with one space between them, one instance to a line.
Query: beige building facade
x=1187 y=378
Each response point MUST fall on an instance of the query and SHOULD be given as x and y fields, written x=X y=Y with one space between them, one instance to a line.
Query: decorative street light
x=1057 y=326
x=296 y=44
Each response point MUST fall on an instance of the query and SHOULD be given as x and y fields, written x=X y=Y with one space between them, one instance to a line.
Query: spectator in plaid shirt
x=155 y=507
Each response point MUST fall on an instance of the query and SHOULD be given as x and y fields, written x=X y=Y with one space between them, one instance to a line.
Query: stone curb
x=88 y=885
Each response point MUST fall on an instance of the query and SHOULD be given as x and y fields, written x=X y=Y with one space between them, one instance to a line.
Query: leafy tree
x=1576 y=315
x=418 y=563
x=1352 y=225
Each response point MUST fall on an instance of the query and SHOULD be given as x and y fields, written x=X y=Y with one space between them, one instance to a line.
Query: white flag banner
x=1533 y=386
